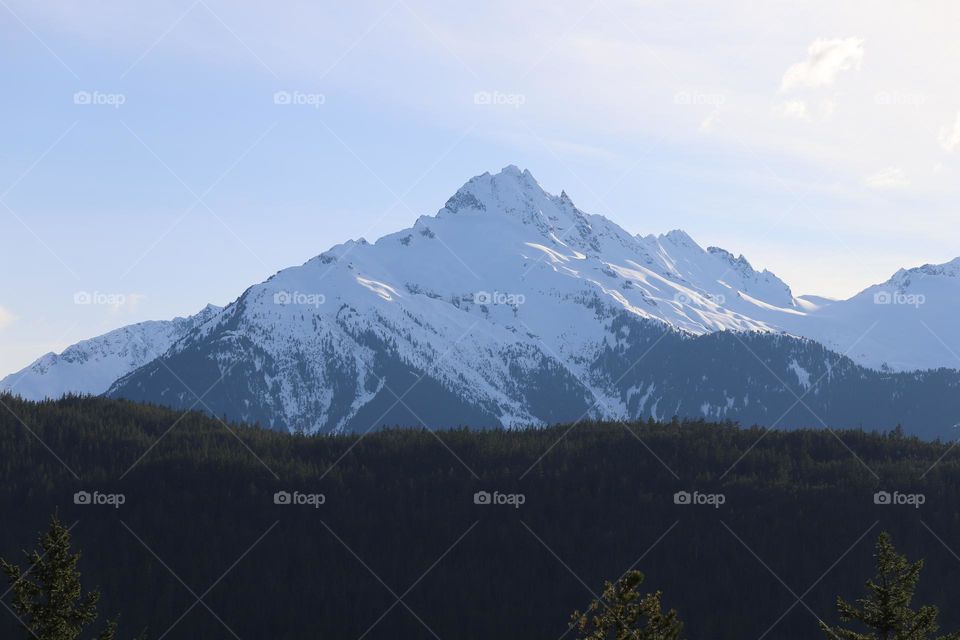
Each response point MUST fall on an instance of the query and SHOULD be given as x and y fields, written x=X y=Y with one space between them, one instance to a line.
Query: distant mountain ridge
x=91 y=366
x=513 y=307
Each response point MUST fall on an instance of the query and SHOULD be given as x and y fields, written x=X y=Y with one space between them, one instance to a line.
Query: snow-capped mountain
x=91 y=366
x=505 y=290
x=907 y=323
x=513 y=307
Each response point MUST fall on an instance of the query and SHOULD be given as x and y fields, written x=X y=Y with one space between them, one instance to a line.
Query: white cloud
x=950 y=136
x=889 y=178
x=825 y=60
x=6 y=318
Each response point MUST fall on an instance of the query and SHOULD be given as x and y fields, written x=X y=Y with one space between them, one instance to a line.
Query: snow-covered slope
x=909 y=322
x=509 y=307
x=513 y=307
x=91 y=366
x=505 y=285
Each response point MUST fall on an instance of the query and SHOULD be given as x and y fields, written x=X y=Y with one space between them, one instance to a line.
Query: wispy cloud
x=889 y=178
x=826 y=59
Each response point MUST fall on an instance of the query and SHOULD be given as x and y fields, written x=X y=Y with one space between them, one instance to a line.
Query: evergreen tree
x=48 y=597
x=885 y=612
x=622 y=613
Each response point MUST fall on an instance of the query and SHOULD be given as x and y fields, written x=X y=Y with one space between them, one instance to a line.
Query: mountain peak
x=949 y=269
x=513 y=170
x=512 y=176
x=729 y=257
x=679 y=237
x=512 y=190
x=903 y=277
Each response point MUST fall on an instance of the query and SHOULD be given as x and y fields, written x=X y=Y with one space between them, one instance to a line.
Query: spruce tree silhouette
x=885 y=612
x=48 y=598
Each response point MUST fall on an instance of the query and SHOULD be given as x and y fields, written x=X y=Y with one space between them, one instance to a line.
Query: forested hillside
x=190 y=511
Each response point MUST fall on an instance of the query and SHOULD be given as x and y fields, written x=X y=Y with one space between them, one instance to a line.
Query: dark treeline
x=597 y=500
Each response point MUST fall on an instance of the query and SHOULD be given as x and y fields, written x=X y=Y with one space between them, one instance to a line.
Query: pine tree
x=48 y=597
x=622 y=613
x=885 y=612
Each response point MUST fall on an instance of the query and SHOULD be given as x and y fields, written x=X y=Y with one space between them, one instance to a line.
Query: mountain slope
x=908 y=322
x=91 y=366
x=311 y=347
x=512 y=307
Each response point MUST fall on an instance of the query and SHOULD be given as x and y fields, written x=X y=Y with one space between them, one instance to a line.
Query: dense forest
x=197 y=528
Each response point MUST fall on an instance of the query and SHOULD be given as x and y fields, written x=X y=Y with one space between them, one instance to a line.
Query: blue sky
x=148 y=156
